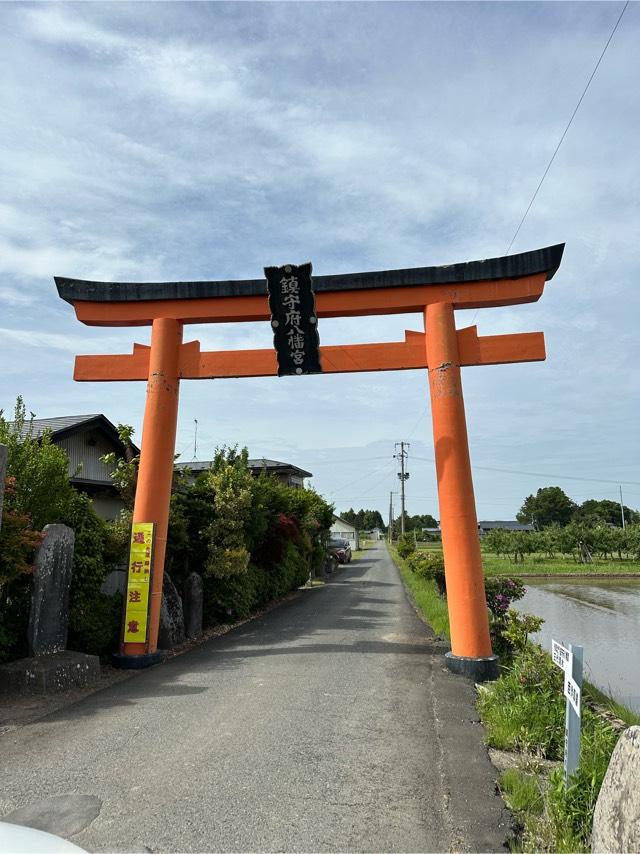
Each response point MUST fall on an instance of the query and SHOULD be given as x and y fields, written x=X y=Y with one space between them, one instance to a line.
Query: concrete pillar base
x=478 y=669
x=138 y=662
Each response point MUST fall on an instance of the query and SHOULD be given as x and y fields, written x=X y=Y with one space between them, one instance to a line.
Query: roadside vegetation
x=523 y=712
x=252 y=539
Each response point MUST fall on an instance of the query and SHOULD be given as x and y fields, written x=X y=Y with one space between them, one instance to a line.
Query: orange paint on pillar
x=157 y=451
x=468 y=616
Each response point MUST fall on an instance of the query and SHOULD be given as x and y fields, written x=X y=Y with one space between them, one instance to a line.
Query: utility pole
x=622 y=509
x=195 y=439
x=390 y=537
x=403 y=476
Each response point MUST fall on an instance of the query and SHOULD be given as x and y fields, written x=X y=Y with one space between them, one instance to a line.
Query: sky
x=154 y=142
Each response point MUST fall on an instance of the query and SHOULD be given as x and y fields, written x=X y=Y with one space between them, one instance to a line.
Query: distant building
x=485 y=527
x=285 y=472
x=342 y=530
x=436 y=533
x=86 y=438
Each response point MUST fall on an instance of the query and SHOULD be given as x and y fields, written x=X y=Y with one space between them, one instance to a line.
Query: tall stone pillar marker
x=51 y=667
x=471 y=653
x=49 y=616
x=155 y=474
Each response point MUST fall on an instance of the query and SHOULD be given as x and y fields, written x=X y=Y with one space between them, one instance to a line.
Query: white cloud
x=185 y=141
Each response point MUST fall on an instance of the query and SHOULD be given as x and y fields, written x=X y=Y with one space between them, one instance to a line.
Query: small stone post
x=193 y=599
x=49 y=617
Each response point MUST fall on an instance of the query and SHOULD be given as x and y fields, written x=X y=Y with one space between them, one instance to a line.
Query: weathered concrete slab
x=171 y=631
x=49 y=616
x=49 y=674
x=616 y=820
x=193 y=605
x=64 y=815
x=115 y=582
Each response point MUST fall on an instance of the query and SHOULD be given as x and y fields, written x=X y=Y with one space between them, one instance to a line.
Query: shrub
x=429 y=565
x=501 y=592
x=406 y=545
x=94 y=619
x=17 y=543
x=524 y=709
x=571 y=809
x=40 y=469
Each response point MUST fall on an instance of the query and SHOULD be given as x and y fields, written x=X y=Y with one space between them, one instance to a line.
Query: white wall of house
x=344 y=531
x=84 y=450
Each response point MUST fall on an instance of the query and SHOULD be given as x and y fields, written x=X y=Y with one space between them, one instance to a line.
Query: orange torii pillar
x=468 y=616
x=155 y=473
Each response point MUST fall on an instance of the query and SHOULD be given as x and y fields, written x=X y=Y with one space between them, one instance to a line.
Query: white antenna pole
x=195 y=439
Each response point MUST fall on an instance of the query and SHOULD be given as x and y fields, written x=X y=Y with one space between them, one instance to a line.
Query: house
x=485 y=527
x=286 y=473
x=435 y=533
x=342 y=530
x=85 y=439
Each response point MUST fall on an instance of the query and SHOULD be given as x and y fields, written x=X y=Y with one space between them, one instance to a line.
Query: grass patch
x=521 y=791
x=524 y=711
x=538 y=564
x=425 y=594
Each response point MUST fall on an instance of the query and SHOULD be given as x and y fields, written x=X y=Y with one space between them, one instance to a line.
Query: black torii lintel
x=545 y=260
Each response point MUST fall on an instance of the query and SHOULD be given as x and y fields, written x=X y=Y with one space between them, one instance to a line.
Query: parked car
x=341 y=549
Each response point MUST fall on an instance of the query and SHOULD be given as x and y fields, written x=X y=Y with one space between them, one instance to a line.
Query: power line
x=362 y=477
x=545 y=474
x=564 y=133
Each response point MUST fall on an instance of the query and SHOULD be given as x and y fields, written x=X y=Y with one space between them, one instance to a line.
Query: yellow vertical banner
x=138 y=582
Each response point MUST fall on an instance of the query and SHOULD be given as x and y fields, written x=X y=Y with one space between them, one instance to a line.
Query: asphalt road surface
x=329 y=724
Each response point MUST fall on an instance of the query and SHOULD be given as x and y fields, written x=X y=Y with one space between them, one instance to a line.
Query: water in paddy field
x=603 y=616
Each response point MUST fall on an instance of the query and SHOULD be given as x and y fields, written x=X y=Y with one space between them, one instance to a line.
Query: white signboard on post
x=561 y=656
x=572 y=693
x=569 y=660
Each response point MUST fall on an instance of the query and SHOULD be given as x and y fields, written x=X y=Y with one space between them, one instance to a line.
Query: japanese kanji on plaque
x=138 y=582
x=293 y=319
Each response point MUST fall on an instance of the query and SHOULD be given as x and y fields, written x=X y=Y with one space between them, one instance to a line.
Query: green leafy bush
x=40 y=469
x=571 y=809
x=94 y=619
x=524 y=709
x=429 y=565
x=406 y=545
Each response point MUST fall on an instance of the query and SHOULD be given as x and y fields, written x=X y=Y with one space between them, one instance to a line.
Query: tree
x=549 y=505
x=230 y=482
x=40 y=469
x=125 y=469
x=363 y=520
x=594 y=512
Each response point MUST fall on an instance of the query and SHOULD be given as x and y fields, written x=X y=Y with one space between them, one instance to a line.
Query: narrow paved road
x=329 y=724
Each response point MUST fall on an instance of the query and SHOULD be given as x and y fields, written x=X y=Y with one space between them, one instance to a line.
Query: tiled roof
x=255 y=464
x=56 y=425
x=67 y=423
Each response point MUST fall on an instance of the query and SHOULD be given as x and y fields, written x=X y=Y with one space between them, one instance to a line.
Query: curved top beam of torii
x=507 y=280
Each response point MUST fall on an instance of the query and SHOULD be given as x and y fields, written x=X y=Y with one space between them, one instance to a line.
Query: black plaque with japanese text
x=293 y=319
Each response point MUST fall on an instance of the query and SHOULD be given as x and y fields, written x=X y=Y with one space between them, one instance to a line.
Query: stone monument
x=171 y=616
x=51 y=667
x=616 y=820
x=193 y=598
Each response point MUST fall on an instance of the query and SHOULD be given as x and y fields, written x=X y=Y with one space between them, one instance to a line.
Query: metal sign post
x=570 y=661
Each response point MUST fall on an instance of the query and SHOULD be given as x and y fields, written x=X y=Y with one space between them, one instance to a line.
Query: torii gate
x=435 y=292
